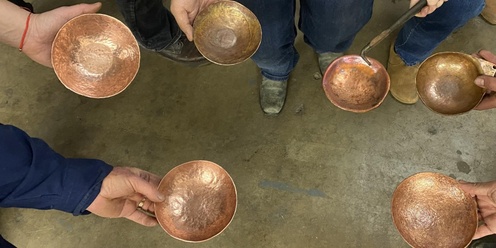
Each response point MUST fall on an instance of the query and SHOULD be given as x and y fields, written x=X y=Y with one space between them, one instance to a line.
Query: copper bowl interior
x=227 y=33
x=445 y=83
x=200 y=201
x=95 y=55
x=352 y=85
x=431 y=210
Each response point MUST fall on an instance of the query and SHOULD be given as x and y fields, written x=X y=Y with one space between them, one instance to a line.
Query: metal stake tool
x=405 y=17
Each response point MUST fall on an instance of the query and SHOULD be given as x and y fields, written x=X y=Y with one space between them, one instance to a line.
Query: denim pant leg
x=276 y=57
x=331 y=25
x=420 y=36
x=153 y=26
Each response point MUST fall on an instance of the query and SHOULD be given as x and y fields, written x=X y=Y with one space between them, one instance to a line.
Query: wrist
x=12 y=23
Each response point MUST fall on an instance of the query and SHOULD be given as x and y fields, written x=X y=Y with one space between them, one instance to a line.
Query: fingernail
x=161 y=197
x=479 y=82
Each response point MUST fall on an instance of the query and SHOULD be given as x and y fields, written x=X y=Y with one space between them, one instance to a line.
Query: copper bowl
x=200 y=201
x=352 y=85
x=430 y=210
x=227 y=33
x=445 y=83
x=95 y=55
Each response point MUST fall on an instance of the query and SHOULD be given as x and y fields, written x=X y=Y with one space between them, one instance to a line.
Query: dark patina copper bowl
x=227 y=33
x=430 y=210
x=445 y=83
x=95 y=55
x=200 y=202
x=352 y=85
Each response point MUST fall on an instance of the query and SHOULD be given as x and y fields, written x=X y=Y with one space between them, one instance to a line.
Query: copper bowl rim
x=238 y=62
x=337 y=60
x=438 y=174
x=125 y=28
x=235 y=206
x=475 y=62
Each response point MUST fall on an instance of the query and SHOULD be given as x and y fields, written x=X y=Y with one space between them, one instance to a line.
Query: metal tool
x=405 y=17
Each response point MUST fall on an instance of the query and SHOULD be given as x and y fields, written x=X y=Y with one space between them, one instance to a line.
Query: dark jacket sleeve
x=32 y=175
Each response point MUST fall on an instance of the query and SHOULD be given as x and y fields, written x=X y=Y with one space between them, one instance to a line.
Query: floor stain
x=463 y=167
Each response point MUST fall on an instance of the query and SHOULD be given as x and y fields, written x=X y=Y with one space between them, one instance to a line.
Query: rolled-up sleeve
x=32 y=175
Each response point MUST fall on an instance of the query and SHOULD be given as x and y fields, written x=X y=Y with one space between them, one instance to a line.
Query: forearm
x=32 y=175
x=12 y=23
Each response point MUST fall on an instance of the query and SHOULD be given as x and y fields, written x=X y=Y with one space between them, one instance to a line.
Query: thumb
x=475 y=188
x=486 y=82
x=79 y=9
x=184 y=24
x=146 y=188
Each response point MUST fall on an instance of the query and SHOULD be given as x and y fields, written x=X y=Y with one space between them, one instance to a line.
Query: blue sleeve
x=32 y=175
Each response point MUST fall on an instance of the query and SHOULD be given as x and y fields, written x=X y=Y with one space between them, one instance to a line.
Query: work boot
x=325 y=60
x=489 y=12
x=24 y=5
x=184 y=51
x=485 y=242
x=402 y=77
x=272 y=95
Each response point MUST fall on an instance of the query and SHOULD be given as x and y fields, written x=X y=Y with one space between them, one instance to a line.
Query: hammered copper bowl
x=430 y=210
x=95 y=55
x=200 y=201
x=352 y=85
x=445 y=83
x=227 y=33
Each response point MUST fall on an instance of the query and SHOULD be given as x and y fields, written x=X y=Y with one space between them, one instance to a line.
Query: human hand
x=431 y=6
x=485 y=194
x=122 y=190
x=185 y=12
x=486 y=82
x=43 y=28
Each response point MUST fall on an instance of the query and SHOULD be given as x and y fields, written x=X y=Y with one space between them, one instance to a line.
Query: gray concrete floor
x=314 y=176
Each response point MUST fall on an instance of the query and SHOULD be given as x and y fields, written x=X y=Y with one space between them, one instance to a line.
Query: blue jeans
x=151 y=23
x=331 y=26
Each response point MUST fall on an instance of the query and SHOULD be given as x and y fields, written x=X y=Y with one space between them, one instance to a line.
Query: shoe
x=489 y=12
x=184 y=51
x=325 y=60
x=485 y=242
x=24 y=5
x=403 y=87
x=272 y=95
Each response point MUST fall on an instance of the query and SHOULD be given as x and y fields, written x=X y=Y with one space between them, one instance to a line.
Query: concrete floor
x=314 y=176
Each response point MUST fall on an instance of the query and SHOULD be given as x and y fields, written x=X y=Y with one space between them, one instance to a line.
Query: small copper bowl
x=352 y=85
x=200 y=201
x=445 y=83
x=430 y=210
x=95 y=55
x=227 y=33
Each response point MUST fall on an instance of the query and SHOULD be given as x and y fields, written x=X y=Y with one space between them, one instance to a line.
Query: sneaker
x=403 y=86
x=184 y=51
x=489 y=12
x=325 y=60
x=272 y=95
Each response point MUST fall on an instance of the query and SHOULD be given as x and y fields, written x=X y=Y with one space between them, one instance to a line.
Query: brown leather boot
x=489 y=12
x=403 y=86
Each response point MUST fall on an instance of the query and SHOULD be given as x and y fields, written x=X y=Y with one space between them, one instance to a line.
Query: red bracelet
x=25 y=32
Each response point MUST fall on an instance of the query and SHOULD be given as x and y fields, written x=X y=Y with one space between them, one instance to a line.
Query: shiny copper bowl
x=95 y=55
x=445 y=83
x=430 y=210
x=200 y=201
x=352 y=85
x=227 y=33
